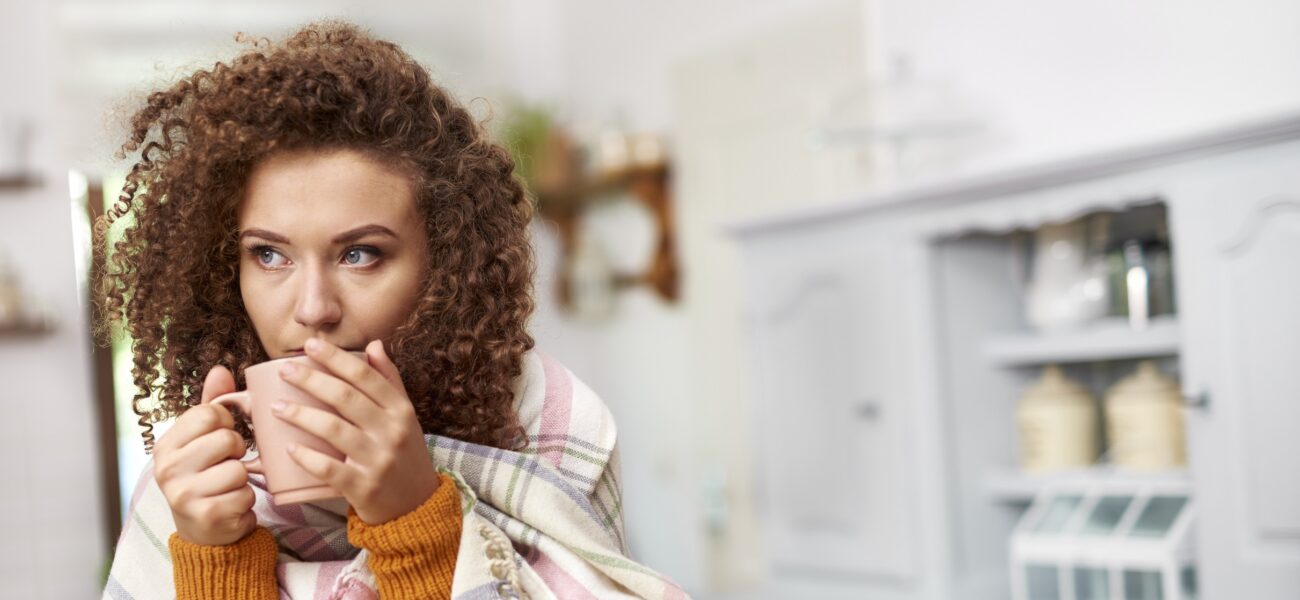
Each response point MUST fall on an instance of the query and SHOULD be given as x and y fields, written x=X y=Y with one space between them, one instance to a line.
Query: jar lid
x=1146 y=380
x=1055 y=385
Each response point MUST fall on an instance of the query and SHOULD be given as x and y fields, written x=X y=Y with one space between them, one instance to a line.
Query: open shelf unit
x=1018 y=487
x=991 y=355
x=1105 y=340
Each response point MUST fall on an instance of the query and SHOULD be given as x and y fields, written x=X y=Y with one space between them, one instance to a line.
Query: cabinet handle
x=1198 y=400
x=867 y=410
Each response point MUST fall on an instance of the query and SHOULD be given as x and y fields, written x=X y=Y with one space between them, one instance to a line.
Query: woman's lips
x=300 y=352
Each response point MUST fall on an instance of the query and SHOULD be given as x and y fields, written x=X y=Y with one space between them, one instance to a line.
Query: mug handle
x=242 y=401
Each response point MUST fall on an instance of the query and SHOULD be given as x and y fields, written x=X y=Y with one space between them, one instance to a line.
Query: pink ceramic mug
x=287 y=482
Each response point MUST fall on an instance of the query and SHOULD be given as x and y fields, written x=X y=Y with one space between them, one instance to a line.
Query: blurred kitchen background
x=890 y=298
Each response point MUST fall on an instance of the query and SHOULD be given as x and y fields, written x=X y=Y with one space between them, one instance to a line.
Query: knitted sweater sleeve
x=412 y=556
x=244 y=570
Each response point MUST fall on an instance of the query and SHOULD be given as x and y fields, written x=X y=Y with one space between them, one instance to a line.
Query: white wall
x=1061 y=77
x=617 y=56
x=617 y=60
x=112 y=52
x=744 y=114
x=50 y=497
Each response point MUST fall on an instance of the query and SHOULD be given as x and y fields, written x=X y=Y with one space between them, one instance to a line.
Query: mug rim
x=299 y=357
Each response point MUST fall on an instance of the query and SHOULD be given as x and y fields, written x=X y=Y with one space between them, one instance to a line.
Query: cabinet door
x=1237 y=239
x=834 y=492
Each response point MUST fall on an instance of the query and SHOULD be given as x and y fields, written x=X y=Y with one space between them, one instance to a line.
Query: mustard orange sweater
x=412 y=556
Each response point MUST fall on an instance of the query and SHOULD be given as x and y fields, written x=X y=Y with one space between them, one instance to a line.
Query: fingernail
x=277 y=408
x=288 y=368
x=312 y=344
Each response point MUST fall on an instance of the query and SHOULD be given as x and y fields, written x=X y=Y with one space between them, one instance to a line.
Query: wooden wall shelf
x=25 y=329
x=18 y=181
x=648 y=184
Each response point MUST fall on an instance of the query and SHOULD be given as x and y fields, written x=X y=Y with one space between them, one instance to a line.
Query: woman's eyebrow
x=362 y=231
x=342 y=238
x=264 y=234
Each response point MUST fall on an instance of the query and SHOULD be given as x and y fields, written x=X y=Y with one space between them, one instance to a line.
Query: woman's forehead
x=331 y=190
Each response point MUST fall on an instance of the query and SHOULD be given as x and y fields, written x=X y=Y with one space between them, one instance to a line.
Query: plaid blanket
x=545 y=522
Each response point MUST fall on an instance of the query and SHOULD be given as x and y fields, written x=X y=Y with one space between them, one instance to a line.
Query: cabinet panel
x=831 y=451
x=1263 y=342
x=1240 y=235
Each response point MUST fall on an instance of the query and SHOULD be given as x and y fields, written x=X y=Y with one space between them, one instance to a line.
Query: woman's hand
x=197 y=467
x=386 y=472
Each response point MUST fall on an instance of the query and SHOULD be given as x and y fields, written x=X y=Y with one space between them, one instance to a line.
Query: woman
x=321 y=195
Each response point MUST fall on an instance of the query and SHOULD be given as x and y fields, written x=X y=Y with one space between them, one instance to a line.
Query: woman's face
x=332 y=247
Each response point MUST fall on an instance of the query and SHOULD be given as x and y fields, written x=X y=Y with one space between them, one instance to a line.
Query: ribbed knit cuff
x=414 y=555
x=244 y=570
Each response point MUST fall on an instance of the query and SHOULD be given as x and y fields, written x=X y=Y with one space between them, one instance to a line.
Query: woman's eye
x=266 y=256
x=357 y=256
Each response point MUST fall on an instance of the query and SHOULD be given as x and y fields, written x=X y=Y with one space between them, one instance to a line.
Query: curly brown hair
x=173 y=278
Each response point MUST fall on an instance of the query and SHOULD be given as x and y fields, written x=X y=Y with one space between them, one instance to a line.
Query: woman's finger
x=194 y=423
x=226 y=476
x=353 y=405
x=231 y=509
x=344 y=478
x=332 y=429
x=353 y=370
x=206 y=450
x=204 y=417
x=378 y=358
x=218 y=381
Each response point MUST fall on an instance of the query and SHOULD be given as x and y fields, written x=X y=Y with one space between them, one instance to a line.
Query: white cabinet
x=1241 y=228
x=887 y=347
x=835 y=497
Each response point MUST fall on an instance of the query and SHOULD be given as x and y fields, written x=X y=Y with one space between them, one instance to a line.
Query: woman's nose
x=318 y=303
